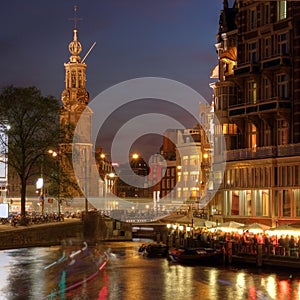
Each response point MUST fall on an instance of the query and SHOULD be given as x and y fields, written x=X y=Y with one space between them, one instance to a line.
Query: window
x=252 y=137
x=282 y=132
x=267 y=47
x=252 y=92
x=253 y=18
x=194 y=176
x=235 y=203
x=282 y=86
x=286 y=204
x=266 y=89
x=194 y=160
x=281 y=10
x=179 y=176
x=266 y=14
x=252 y=53
x=282 y=44
x=185 y=160
x=296 y=196
x=248 y=203
x=185 y=176
x=179 y=194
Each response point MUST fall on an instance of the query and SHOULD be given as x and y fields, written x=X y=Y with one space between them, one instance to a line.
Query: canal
x=130 y=276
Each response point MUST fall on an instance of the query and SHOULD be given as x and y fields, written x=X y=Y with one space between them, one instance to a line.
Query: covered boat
x=154 y=250
x=196 y=256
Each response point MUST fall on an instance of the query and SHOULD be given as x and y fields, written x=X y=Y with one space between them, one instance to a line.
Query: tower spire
x=75 y=47
x=75 y=18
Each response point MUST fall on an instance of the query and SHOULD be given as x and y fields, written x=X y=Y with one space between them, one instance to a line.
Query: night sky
x=135 y=38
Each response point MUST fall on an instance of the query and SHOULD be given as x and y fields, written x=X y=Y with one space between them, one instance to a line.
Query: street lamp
x=108 y=184
x=55 y=154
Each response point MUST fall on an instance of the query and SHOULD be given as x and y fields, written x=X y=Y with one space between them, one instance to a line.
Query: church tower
x=75 y=99
x=75 y=96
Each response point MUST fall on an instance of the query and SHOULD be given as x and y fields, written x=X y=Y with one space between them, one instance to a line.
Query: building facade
x=257 y=102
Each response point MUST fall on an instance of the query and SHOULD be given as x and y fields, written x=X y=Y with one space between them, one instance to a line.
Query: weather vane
x=75 y=19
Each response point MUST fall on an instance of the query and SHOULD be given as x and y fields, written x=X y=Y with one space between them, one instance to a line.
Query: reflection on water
x=129 y=276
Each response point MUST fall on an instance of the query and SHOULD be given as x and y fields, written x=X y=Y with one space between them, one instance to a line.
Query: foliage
x=29 y=125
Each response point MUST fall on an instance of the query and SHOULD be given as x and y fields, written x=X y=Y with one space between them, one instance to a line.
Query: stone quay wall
x=92 y=228
x=41 y=235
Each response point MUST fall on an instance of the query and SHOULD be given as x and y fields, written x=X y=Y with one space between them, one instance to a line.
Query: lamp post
x=108 y=184
x=55 y=154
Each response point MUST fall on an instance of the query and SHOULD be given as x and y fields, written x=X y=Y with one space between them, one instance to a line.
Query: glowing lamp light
x=135 y=156
x=39 y=183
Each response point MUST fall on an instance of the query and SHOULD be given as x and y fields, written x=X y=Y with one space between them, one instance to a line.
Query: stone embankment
x=48 y=234
x=92 y=228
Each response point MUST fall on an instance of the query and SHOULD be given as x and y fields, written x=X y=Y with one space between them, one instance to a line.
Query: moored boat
x=196 y=256
x=154 y=250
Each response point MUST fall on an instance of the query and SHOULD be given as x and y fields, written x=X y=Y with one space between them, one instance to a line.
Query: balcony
x=264 y=152
x=246 y=68
x=276 y=61
x=272 y=105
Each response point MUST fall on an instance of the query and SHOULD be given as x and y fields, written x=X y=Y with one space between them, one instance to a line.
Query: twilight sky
x=135 y=38
x=173 y=39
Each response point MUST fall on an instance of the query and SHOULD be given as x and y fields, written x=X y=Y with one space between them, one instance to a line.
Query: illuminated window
x=252 y=135
x=179 y=192
x=235 y=203
x=194 y=160
x=296 y=196
x=286 y=204
x=185 y=176
x=194 y=176
x=248 y=203
x=178 y=176
x=281 y=10
x=185 y=160
x=265 y=203
x=185 y=192
x=229 y=128
x=252 y=92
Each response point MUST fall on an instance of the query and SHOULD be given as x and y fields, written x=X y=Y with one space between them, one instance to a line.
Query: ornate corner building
x=257 y=101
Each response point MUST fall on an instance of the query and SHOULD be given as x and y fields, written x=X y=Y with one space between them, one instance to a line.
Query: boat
x=154 y=250
x=72 y=271
x=196 y=255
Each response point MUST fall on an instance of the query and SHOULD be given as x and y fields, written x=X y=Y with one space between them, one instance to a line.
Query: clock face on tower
x=79 y=99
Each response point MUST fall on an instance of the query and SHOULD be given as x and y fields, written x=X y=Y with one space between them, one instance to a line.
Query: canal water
x=130 y=276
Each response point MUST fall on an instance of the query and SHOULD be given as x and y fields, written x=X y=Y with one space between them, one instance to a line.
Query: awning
x=215 y=72
x=230 y=54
